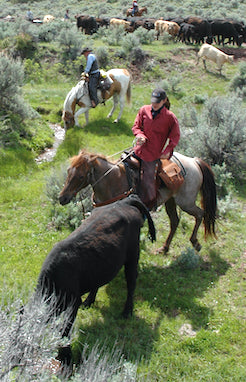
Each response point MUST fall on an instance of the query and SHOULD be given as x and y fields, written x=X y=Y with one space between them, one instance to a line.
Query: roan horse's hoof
x=197 y=246
x=162 y=251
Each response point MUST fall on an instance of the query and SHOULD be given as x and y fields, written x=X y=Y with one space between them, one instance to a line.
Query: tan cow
x=162 y=26
x=118 y=22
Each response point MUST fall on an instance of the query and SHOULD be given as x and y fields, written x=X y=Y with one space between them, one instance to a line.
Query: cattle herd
x=188 y=30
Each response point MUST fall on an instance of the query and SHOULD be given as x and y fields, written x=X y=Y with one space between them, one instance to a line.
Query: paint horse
x=120 y=88
x=110 y=182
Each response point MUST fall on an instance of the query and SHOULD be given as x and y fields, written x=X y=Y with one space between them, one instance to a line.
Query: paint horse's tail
x=209 y=198
x=128 y=93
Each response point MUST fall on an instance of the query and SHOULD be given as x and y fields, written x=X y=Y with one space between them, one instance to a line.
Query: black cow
x=223 y=29
x=87 y=24
x=146 y=23
x=178 y=20
x=103 y=22
x=187 y=33
x=203 y=29
x=92 y=256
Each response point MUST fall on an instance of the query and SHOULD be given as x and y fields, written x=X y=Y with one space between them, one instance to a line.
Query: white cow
x=211 y=53
x=48 y=18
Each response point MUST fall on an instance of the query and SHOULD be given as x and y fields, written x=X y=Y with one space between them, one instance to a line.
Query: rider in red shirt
x=157 y=133
x=134 y=7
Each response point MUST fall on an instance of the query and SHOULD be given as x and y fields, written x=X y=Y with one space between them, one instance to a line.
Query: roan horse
x=110 y=182
x=138 y=13
x=120 y=87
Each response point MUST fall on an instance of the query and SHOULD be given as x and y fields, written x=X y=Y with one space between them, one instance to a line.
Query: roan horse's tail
x=135 y=201
x=209 y=198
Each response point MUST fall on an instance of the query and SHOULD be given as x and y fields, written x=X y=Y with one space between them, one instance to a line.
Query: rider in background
x=157 y=132
x=29 y=15
x=66 y=16
x=134 y=7
x=91 y=70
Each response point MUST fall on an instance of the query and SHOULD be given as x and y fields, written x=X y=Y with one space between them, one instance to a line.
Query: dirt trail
x=49 y=153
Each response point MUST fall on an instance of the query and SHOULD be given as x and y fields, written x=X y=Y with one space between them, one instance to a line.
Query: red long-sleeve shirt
x=156 y=131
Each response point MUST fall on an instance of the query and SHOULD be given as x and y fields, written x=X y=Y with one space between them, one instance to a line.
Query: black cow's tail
x=135 y=201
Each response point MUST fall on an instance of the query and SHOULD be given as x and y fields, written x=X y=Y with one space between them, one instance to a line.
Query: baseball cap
x=86 y=49
x=158 y=95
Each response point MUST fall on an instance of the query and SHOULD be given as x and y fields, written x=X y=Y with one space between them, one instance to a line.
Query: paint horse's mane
x=78 y=160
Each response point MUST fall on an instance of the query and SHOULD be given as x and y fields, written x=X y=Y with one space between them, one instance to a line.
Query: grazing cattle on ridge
x=91 y=257
x=87 y=24
x=211 y=53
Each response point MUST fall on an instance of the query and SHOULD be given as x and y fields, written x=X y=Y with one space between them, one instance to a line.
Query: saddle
x=168 y=171
x=104 y=83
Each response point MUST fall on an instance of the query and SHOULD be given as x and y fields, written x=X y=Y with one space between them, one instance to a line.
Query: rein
x=111 y=169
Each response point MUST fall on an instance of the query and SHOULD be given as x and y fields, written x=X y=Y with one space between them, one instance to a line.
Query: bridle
x=118 y=197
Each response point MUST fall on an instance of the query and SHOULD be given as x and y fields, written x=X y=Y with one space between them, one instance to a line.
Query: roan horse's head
x=78 y=177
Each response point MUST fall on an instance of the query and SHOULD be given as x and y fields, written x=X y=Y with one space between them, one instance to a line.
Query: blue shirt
x=90 y=59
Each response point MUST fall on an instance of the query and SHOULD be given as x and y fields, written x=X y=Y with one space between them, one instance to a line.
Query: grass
x=169 y=301
x=209 y=298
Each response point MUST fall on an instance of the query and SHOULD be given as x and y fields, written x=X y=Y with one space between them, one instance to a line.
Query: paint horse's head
x=68 y=119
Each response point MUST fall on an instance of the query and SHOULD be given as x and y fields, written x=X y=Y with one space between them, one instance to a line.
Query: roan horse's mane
x=78 y=160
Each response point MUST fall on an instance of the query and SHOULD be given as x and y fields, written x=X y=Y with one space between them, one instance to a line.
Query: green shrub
x=238 y=83
x=137 y=56
x=217 y=134
x=145 y=37
x=11 y=81
x=129 y=42
x=113 y=36
x=33 y=71
x=102 y=56
x=70 y=42
x=25 y=46
x=29 y=344
x=72 y=214
x=188 y=260
x=223 y=180
x=200 y=99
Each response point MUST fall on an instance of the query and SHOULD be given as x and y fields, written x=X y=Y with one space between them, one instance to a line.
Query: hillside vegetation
x=189 y=313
